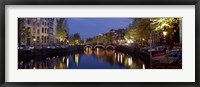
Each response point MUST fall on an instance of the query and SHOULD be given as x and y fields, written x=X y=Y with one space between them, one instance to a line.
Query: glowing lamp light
x=130 y=41
x=143 y=39
x=34 y=39
x=130 y=61
x=143 y=66
x=164 y=33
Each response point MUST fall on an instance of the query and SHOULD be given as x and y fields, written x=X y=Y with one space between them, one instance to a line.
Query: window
x=42 y=39
x=22 y=20
x=33 y=23
x=38 y=24
x=42 y=30
x=38 y=39
x=28 y=21
x=47 y=39
x=45 y=30
x=48 y=31
x=38 y=31
x=34 y=30
x=29 y=29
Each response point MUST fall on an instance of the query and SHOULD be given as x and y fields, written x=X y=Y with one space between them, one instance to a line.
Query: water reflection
x=88 y=51
x=89 y=59
x=143 y=66
x=76 y=58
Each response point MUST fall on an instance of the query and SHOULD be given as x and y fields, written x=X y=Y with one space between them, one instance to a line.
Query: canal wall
x=47 y=52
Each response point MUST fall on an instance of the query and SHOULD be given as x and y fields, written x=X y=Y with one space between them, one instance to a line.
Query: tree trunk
x=171 y=41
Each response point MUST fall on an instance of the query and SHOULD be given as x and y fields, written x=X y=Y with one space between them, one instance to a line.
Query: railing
x=95 y=46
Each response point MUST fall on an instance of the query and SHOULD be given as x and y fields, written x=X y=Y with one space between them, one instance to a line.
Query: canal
x=88 y=59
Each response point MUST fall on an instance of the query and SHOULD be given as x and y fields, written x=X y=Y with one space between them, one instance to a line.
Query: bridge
x=88 y=46
x=100 y=46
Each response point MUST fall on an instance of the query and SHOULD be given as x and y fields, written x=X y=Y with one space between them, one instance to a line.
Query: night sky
x=90 y=27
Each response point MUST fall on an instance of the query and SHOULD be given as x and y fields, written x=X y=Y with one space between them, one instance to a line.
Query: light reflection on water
x=89 y=59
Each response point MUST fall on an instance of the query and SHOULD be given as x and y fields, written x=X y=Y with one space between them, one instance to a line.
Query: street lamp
x=143 y=41
x=34 y=39
x=34 y=43
x=165 y=33
x=150 y=42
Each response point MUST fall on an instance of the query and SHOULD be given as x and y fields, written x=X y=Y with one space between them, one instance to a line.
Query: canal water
x=89 y=59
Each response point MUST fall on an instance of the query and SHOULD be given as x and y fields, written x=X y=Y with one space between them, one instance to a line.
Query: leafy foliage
x=140 y=30
x=62 y=32
x=160 y=24
x=75 y=39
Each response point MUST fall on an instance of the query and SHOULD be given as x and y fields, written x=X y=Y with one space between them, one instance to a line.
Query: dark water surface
x=89 y=59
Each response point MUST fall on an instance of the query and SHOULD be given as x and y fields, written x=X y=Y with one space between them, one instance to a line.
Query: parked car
x=21 y=47
x=31 y=47
x=175 y=53
x=151 y=49
x=177 y=61
x=161 y=48
x=48 y=47
x=26 y=48
x=53 y=47
x=58 y=47
x=63 y=46
x=38 y=47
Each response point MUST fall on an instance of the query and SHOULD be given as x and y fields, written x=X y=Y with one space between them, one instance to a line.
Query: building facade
x=118 y=36
x=36 y=31
x=120 y=33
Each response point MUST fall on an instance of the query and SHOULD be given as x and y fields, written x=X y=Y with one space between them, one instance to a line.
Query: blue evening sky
x=90 y=27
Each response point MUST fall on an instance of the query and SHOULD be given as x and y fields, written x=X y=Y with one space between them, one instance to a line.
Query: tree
x=61 y=34
x=109 y=38
x=160 y=24
x=144 y=28
x=75 y=39
x=89 y=41
x=76 y=36
x=139 y=30
x=166 y=24
x=65 y=24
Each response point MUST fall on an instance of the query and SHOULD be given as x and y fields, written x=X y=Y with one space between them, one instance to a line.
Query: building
x=180 y=32
x=157 y=38
x=23 y=31
x=52 y=31
x=36 y=31
x=118 y=36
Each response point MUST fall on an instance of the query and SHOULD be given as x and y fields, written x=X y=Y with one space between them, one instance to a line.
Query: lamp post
x=165 y=33
x=34 y=43
x=150 y=42
x=143 y=41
